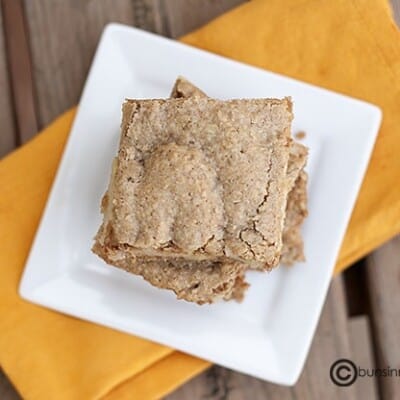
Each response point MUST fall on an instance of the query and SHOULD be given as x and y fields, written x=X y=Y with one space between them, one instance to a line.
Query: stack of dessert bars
x=203 y=190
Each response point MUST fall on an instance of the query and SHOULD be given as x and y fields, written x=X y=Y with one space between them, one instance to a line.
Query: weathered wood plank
x=330 y=343
x=7 y=135
x=362 y=355
x=383 y=279
x=20 y=69
x=63 y=38
x=64 y=35
x=183 y=16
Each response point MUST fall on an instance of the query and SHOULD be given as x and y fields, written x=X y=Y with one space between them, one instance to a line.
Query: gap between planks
x=20 y=69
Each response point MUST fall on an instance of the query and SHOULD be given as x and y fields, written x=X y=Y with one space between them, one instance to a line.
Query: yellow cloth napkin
x=349 y=46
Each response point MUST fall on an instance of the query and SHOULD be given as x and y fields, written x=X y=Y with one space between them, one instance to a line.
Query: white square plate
x=269 y=334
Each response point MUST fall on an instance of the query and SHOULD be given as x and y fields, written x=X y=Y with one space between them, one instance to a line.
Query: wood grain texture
x=331 y=342
x=383 y=279
x=63 y=38
x=7 y=133
x=183 y=16
x=20 y=69
x=362 y=355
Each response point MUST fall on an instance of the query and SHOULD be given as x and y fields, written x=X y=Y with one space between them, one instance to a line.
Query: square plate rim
x=116 y=28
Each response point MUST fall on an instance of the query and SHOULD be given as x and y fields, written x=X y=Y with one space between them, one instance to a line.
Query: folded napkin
x=349 y=46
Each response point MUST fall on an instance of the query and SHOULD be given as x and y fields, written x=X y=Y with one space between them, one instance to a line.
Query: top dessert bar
x=190 y=179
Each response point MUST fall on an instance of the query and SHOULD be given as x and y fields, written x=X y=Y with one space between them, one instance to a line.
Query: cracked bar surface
x=292 y=250
x=213 y=197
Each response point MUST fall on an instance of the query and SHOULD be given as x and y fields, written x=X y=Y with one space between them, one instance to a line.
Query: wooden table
x=46 y=47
